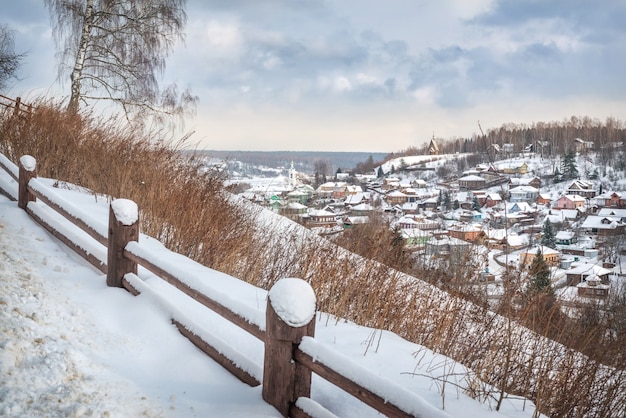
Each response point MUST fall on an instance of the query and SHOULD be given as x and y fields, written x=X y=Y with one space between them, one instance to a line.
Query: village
x=490 y=217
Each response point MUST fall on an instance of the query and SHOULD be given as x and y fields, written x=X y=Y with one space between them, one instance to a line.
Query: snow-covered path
x=64 y=352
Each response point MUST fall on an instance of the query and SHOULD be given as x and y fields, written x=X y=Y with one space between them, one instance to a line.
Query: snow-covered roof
x=472 y=177
x=589 y=269
x=544 y=250
x=602 y=222
x=612 y=212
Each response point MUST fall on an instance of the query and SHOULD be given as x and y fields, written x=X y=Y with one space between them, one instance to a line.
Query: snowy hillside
x=72 y=347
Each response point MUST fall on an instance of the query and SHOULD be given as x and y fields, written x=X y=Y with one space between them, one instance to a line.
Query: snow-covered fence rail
x=286 y=327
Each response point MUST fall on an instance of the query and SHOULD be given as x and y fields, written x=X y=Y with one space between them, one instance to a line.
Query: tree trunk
x=79 y=64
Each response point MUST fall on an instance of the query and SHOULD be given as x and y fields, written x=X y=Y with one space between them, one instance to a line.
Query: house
x=415 y=236
x=604 y=226
x=523 y=194
x=544 y=199
x=334 y=189
x=472 y=182
x=565 y=238
x=492 y=199
x=550 y=256
x=293 y=210
x=298 y=195
x=443 y=246
x=430 y=203
x=362 y=209
x=357 y=198
x=465 y=232
x=320 y=219
x=480 y=195
x=583 y=188
x=611 y=200
x=419 y=184
x=582 y=146
x=396 y=197
x=583 y=272
x=470 y=216
x=517 y=207
x=619 y=213
x=593 y=288
x=524 y=181
x=570 y=201
x=514 y=168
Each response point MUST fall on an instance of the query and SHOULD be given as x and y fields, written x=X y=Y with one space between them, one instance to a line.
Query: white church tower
x=293 y=181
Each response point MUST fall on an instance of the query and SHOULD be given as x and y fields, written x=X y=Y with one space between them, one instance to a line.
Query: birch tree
x=116 y=50
x=9 y=59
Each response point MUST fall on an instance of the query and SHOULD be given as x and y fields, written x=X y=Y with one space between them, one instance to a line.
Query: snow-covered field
x=72 y=347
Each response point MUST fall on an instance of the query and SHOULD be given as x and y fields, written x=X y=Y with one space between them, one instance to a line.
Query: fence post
x=290 y=316
x=123 y=228
x=28 y=170
x=18 y=100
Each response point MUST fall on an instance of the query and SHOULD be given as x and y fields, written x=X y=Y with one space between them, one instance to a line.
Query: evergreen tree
x=568 y=166
x=381 y=173
x=446 y=203
x=475 y=204
x=455 y=204
x=539 y=275
x=548 y=237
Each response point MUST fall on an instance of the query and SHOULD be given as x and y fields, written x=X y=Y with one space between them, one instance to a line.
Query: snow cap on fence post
x=28 y=162
x=290 y=315
x=125 y=210
x=123 y=228
x=27 y=171
x=293 y=301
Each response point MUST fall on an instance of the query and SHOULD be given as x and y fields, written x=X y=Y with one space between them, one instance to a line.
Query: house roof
x=588 y=269
x=564 y=235
x=602 y=222
x=362 y=207
x=573 y=197
x=544 y=250
x=581 y=184
x=472 y=177
x=621 y=213
x=524 y=189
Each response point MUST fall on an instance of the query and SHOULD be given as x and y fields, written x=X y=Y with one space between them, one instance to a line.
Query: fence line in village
x=288 y=364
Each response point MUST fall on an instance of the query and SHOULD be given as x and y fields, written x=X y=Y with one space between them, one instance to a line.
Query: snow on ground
x=72 y=347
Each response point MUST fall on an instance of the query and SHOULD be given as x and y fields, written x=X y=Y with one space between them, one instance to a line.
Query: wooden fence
x=19 y=108
x=291 y=353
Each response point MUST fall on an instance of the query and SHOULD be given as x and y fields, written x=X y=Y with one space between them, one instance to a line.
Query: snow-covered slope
x=72 y=347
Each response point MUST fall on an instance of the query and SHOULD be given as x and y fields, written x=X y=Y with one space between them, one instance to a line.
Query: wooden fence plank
x=221 y=359
x=349 y=386
x=203 y=299
x=76 y=221
x=90 y=258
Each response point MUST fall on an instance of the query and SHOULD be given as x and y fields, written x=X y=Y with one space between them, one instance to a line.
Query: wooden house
x=570 y=201
x=550 y=256
x=472 y=182
x=583 y=188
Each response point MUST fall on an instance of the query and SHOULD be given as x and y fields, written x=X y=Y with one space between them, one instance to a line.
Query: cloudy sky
x=365 y=75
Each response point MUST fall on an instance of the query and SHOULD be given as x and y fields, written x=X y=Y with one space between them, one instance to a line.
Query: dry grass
x=191 y=214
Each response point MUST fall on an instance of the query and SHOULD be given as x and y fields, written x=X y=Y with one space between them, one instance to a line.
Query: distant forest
x=546 y=138
x=550 y=139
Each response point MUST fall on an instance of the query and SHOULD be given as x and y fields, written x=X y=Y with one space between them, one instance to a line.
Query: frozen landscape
x=72 y=347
